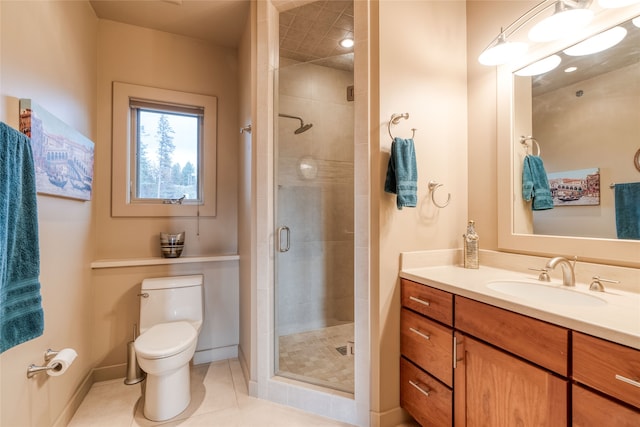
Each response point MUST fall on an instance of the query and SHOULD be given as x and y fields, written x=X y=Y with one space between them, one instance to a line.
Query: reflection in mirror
x=584 y=114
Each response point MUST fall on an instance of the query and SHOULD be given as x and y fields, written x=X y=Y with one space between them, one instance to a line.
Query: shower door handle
x=285 y=229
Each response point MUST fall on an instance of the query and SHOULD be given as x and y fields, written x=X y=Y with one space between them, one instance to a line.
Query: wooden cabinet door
x=495 y=389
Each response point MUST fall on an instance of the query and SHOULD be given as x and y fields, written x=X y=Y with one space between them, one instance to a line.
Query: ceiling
x=309 y=30
x=219 y=22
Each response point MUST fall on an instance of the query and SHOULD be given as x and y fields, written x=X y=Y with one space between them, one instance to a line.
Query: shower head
x=302 y=128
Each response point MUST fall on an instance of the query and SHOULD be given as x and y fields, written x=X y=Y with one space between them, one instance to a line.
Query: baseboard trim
x=74 y=403
x=107 y=373
x=390 y=418
x=215 y=354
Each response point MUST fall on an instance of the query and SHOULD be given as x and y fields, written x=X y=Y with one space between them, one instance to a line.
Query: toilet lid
x=165 y=340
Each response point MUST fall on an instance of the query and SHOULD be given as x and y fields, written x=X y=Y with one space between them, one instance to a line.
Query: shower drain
x=347 y=349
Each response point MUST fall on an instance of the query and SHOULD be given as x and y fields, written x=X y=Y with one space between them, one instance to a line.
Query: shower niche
x=314 y=197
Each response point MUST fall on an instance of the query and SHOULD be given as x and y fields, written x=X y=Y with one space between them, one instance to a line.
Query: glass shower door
x=314 y=202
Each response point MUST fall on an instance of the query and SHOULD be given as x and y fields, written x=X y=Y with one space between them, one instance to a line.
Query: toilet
x=170 y=321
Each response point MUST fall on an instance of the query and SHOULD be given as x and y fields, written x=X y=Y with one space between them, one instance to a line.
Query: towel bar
x=523 y=141
x=395 y=119
x=433 y=186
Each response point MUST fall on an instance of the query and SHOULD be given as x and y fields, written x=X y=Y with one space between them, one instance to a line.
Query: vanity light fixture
x=569 y=15
x=540 y=67
x=346 y=42
x=613 y=4
x=598 y=43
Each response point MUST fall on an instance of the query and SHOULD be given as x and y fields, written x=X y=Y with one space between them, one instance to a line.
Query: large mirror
x=586 y=128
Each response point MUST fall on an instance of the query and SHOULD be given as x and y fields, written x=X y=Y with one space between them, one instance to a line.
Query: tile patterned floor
x=218 y=399
x=313 y=356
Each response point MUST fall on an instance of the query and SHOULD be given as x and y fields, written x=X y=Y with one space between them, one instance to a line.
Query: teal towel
x=628 y=210
x=535 y=184
x=21 y=315
x=402 y=173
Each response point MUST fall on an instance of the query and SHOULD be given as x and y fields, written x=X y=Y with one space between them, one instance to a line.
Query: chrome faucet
x=568 y=275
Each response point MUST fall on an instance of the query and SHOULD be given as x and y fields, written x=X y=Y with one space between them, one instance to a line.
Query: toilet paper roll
x=61 y=362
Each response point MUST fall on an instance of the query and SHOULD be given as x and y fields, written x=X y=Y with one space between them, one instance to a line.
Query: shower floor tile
x=315 y=356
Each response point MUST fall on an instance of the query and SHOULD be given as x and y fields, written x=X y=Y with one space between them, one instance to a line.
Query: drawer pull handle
x=628 y=380
x=419 y=301
x=415 y=331
x=420 y=389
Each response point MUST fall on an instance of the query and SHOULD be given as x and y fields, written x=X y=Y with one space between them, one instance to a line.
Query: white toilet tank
x=170 y=299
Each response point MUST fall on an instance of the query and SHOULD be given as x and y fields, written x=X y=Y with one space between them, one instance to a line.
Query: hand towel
x=627 y=197
x=21 y=315
x=535 y=184
x=402 y=173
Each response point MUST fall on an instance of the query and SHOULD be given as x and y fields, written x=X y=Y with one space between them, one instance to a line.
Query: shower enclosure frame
x=263 y=382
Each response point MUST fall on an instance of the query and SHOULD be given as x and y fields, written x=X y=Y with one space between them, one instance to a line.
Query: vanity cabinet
x=426 y=344
x=510 y=369
x=482 y=366
x=607 y=389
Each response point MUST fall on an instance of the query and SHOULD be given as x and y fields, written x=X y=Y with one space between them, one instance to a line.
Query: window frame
x=123 y=155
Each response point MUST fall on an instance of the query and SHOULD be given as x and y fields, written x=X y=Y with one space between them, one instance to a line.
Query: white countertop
x=618 y=320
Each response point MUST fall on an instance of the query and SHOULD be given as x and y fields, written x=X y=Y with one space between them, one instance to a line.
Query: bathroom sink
x=545 y=294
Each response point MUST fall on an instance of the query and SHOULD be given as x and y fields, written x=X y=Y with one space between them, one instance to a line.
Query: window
x=164 y=152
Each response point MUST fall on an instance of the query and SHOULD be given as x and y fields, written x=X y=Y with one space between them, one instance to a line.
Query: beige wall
x=484 y=20
x=421 y=49
x=49 y=55
x=152 y=58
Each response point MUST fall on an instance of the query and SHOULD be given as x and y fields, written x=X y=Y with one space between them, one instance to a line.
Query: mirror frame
x=510 y=203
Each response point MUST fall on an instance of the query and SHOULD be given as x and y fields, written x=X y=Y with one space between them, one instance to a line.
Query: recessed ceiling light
x=570 y=69
x=348 y=42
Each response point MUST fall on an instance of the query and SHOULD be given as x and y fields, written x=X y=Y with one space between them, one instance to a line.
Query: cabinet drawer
x=611 y=368
x=427 y=344
x=428 y=401
x=539 y=342
x=592 y=410
x=431 y=302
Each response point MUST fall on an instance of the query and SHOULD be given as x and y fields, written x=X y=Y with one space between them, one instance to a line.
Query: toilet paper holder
x=33 y=369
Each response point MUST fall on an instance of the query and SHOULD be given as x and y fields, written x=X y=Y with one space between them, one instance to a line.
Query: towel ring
x=433 y=186
x=395 y=119
x=523 y=141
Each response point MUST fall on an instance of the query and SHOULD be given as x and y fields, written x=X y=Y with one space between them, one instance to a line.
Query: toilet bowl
x=170 y=321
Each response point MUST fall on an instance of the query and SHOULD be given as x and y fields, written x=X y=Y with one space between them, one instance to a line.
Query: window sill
x=140 y=262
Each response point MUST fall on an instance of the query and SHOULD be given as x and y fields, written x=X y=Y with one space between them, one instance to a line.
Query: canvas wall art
x=63 y=157
x=576 y=187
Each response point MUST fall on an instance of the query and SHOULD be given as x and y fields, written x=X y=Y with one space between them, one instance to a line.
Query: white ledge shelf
x=140 y=262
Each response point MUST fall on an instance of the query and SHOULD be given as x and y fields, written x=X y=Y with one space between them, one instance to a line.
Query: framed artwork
x=575 y=188
x=63 y=157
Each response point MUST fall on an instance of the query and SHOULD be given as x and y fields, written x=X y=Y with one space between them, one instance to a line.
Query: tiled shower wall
x=315 y=198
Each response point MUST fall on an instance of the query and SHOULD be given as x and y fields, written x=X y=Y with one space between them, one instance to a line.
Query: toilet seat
x=165 y=340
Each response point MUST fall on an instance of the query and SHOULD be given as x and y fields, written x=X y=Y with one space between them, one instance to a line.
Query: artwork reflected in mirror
x=584 y=114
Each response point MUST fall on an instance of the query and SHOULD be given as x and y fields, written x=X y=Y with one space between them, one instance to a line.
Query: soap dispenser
x=471 y=246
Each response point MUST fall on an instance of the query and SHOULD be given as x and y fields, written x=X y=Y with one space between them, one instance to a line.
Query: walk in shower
x=314 y=197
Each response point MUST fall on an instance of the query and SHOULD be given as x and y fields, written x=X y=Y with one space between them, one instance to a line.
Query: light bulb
x=560 y=24
x=613 y=4
x=540 y=67
x=502 y=53
x=598 y=43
